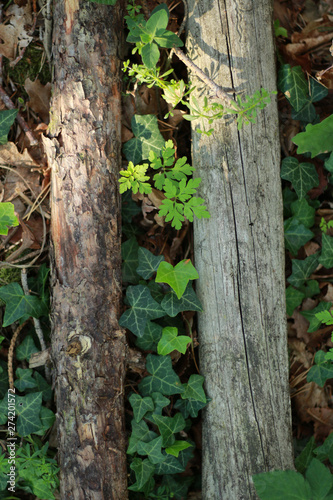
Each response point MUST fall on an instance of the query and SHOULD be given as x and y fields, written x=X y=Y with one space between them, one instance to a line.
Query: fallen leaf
x=13 y=33
x=40 y=96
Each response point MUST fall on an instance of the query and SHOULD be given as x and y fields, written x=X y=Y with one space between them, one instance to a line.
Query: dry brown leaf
x=309 y=397
x=9 y=155
x=19 y=180
x=311 y=248
x=328 y=297
x=299 y=353
x=40 y=96
x=126 y=134
x=13 y=33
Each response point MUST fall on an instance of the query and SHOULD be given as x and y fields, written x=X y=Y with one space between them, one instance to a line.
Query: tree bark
x=88 y=347
x=239 y=254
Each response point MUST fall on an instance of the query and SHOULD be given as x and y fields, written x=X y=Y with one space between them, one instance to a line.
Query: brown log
x=88 y=347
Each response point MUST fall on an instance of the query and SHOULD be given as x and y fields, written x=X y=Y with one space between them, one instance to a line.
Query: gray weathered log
x=239 y=254
x=88 y=347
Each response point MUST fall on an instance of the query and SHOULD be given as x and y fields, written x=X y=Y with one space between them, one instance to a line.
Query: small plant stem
x=10 y=105
x=11 y=354
x=219 y=92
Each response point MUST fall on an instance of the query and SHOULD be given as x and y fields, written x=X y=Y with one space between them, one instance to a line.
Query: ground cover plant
x=165 y=391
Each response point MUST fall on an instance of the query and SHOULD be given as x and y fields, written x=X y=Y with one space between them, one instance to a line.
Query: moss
x=30 y=66
x=9 y=275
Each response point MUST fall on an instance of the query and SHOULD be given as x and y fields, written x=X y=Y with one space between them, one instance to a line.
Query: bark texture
x=239 y=254
x=88 y=347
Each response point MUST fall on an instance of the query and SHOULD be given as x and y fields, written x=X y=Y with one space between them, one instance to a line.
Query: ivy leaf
x=24 y=379
x=148 y=263
x=329 y=163
x=171 y=465
x=147 y=138
x=295 y=235
x=177 y=277
x=43 y=386
x=150 y=338
x=170 y=341
x=19 y=305
x=143 y=470
x=26 y=348
x=140 y=432
x=292 y=82
x=310 y=288
x=293 y=298
x=144 y=307
x=194 y=389
x=177 y=447
x=153 y=449
x=303 y=460
x=289 y=197
x=28 y=409
x=303 y=176
x=163 y=379
x=321 y=371
x=188 y=302
x=160 y=402
x=129 y=254
x=325 y=451
x=326 y=258
x=128 y=208
x=302 y=269
x=47 y=418
x=168 y=426
x=7 y=118
x=316 y=139
x=140 y=406
x=320 y=479
x=302 y=211
x=7 y=216
x=312 y=318
x=282 y=485
x=189 y=407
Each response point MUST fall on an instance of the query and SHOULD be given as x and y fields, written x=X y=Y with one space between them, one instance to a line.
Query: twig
x=10 y=105
x=219 y=92
x=11 y=354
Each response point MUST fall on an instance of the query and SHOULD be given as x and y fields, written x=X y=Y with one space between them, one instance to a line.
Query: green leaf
x=188 y=302
x=148 y=263
x=292 y=82
x=303 y=460
x=144 y=307
x=171 y=465
x=316 y=139
x=26 y=348
x=153 y=449
x=150 y=338
x=24 y=379
x=282 y=485
x=190 y=407
x=144 y=470
x=7 y=217
x=19 y=305
x=295 y=235
x=147 y=138
x=177 y=277
x=140 y=406
x=289 y=197
x=325 y=451
x=177 y=447
x=128 y=208
x=194 y=389
x=167 y=39
x=129 y=254
x=310 y=288
x=329 y=163
x=7 y=118
x=47 y=418
x=307 y=114
x=302 y=211
x=150 y=55
x=326 y=258
x=302 y=269
x=168 y=426
x=303 y=176
x=321 y=371
x=312 y=318
x=163 y=379
x=158 y=20
x=325 y=317
x=140 y=432
x=320 y=479
x=170 y=341
x=28 y=409
x=294 y=299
